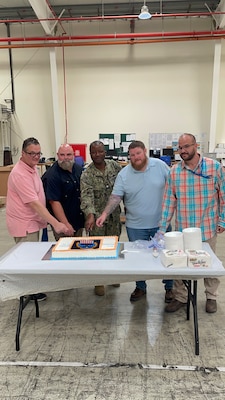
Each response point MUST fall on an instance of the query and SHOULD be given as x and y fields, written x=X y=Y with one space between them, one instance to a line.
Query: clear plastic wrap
x=156 y=243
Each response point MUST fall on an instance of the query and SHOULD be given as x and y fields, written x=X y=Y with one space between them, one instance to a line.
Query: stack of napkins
x=187 y=258
x=198 y=258
x=174 y=258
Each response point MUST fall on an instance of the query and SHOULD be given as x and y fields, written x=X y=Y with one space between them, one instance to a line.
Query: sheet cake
x=92 y=247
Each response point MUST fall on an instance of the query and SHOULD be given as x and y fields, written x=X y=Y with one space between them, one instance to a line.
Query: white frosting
x=64 y=244
x=108 y=243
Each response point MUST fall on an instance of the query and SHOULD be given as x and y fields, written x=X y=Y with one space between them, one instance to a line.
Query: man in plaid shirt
x=195 y=192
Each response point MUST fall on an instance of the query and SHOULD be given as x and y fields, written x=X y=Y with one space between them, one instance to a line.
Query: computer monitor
x=111 y=154
x=154 y=153
x=168 y=152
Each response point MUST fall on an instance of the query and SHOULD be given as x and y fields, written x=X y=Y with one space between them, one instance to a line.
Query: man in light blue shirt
x=141 y=186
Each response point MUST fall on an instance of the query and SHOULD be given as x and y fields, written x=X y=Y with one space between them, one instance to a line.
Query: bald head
x=65 y=148
x=65 y=157
x=188 y=136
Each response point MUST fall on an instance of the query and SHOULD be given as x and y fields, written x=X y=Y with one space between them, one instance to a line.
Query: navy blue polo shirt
x=64 y=186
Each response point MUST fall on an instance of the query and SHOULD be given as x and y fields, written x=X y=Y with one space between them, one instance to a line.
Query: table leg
x=195 y=311
x=192 y=298
x=23 y=303
x=188 y=299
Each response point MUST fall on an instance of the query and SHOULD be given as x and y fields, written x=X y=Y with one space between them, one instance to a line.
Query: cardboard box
x=4 y=174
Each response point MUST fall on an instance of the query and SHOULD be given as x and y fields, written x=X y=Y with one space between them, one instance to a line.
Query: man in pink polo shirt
x=26 y=213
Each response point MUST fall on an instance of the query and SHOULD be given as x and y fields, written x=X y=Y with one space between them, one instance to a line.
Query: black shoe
x=38 y=296
x=137 y=294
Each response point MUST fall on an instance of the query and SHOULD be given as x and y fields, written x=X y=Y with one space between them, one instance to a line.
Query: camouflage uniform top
x=96 y=187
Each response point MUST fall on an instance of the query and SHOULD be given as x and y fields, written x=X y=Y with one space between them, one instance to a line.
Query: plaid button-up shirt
x=196 y=197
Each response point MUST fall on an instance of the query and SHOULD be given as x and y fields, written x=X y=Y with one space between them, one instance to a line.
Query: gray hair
x=29 y=141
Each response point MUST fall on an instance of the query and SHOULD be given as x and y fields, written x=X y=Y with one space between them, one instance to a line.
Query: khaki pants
x=31 y=237
x=211 y=284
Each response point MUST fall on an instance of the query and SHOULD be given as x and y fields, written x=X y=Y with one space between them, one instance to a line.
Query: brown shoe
x=116 y=285
x=99 y=290
x=174 y=305
x=211 y=306
x=169 y=295
x=137 y=294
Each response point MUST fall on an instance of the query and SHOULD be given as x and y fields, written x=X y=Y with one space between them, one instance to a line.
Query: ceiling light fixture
x=144 y=14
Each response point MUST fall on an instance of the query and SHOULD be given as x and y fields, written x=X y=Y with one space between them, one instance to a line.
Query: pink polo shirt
x=24 y=186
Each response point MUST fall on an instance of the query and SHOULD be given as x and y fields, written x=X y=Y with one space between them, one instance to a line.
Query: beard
x=66 y=165
x=187 y=157
x=139 y=166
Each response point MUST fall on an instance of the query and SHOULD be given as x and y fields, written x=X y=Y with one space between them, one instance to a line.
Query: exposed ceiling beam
x=220 y=19
x=43 y=12
x=105 y=8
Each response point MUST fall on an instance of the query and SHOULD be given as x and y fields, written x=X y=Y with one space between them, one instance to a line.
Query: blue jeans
x=146 y=234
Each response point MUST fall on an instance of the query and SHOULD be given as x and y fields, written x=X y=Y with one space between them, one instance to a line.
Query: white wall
x=163 y=87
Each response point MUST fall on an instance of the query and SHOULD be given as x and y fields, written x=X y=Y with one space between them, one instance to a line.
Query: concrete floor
x=86 y=347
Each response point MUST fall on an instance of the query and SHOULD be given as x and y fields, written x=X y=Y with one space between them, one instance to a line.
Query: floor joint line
x=172 y=367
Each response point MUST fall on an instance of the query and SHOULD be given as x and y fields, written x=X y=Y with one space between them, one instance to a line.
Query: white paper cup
x=192 y=238
x=174 y=240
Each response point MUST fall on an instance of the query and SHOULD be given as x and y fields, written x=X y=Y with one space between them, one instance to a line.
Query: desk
x=123 y=163
x=4 y=174
x=24 y=262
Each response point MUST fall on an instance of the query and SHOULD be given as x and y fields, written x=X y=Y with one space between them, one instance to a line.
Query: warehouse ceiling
x=52 y=13
x=22 y=10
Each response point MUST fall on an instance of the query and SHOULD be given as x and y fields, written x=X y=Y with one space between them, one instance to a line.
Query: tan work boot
x=174 y=305
x=169 y=295
x=100 y=290
x=137 y=294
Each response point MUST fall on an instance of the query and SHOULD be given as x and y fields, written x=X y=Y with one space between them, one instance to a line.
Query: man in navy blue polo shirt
x=62 y=189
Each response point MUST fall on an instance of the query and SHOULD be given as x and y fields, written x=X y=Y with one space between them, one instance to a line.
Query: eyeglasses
x=33 y=154
x=186 y=146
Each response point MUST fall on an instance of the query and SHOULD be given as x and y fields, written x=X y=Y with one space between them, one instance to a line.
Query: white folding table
x=27 y=269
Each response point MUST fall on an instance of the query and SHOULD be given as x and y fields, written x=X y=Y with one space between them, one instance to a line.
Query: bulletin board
x=163 y=140
x=116 y=144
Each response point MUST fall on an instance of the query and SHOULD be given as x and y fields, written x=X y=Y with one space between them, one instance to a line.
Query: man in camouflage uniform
x=96 y=186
